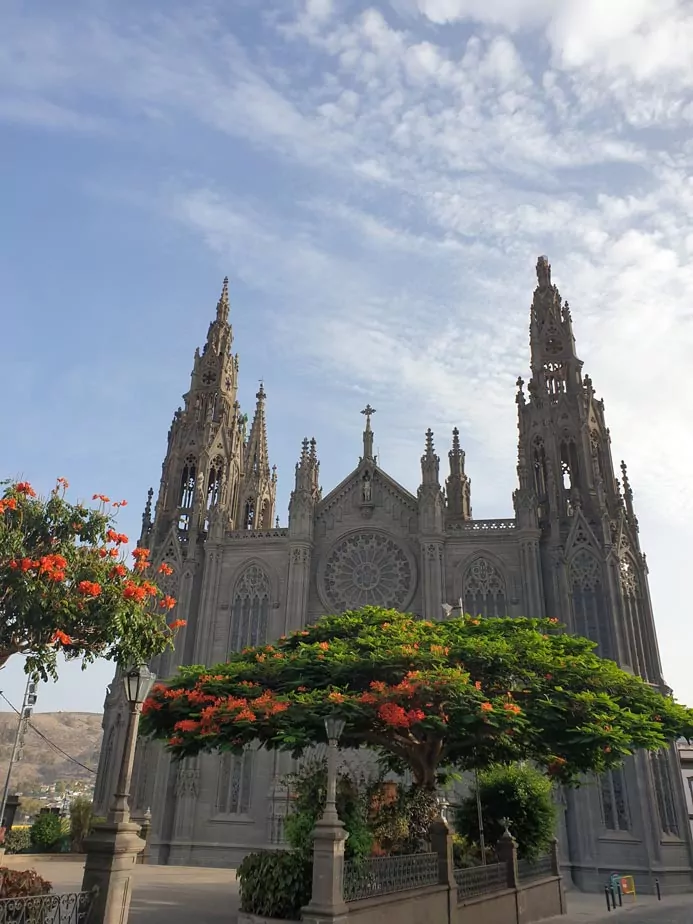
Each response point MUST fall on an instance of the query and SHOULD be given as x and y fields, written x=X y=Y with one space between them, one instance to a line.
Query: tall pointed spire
x=458 y=486
x=259 y=482
x=430 y=463
x=220 y=335
x=256 y=454
x=555 y=365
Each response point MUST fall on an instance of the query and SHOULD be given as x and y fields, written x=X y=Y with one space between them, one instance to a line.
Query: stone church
x=570 y=550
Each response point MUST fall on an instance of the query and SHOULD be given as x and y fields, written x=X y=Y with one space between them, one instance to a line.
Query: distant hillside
x=76 y=733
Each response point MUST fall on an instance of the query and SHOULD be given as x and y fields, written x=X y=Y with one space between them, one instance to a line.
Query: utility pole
x=18 y=747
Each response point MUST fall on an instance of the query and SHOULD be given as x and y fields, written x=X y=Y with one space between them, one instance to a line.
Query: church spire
x=458 y=486
x=430 y=463
x=556 y=369
x=220 y=334
x=258 y=485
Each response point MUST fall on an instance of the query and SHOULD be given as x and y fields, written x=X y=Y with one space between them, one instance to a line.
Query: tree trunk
x=423 y=811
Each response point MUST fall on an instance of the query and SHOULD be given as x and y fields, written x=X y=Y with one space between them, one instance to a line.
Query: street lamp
x=138 y=681
x=334 y=728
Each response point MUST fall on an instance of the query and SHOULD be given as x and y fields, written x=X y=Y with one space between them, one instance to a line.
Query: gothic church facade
x=571 y=550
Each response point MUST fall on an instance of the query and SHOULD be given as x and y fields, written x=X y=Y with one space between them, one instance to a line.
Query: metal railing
x=481 y=880
x=541 y=868
x=478 y=526
x=69 y=908
x=384 y=875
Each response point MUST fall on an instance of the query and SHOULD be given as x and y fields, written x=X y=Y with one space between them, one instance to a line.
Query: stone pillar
x=441 y=843
x=506 y=849
x=112 y=851
x=145 y=831
x=327 y=905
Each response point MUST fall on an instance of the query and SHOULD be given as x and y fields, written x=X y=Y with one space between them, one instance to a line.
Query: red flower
x=168 y=602
x=486 y=707
x=89 y=588
x=119 y=571
x=245 y=715
x=150 y=589
x=335 y=697
x=394 y=715
x=122 y=503
x=102 y=497
x=23 y=487
x=187 y=725
x=177 y=624
x=477 y=684
x=61 y=637
x=140 y=553
x=9 y=503
x=512 y=707
x=26 y=564
x=323 y=645
x=63 y=482
x=165 y=569
x=133 y=591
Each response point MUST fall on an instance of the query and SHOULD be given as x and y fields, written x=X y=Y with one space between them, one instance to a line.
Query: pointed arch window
x=250 y=609
x=554 y=377
x=266 y=518
x=589 y=603
x=631 y=590
x=235 y=786
x=214 y=483
x=540 y=474
x=484 y=590
x=249 y=514
x=187 y=491
x=664 y=792
x=614 y=801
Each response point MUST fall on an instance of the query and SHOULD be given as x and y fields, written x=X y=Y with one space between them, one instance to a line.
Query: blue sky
x=377 y=181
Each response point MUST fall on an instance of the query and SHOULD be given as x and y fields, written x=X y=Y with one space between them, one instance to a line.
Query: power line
x=48 y=740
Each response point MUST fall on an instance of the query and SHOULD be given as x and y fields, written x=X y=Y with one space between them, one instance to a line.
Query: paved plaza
x=161 y=894
x=182 y=894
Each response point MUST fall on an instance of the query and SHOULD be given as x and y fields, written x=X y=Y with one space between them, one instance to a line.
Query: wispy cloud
x=382 y=177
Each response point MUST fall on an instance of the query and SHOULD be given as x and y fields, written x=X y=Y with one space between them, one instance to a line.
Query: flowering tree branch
x=464 y=694
x=65 y=584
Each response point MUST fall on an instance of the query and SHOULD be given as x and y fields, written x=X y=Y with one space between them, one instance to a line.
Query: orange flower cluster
x=89 y=588
x=165 y=569
x=512 y=708
x=23 y=487
x=177 y=624
x=141 y=557
x=398 y=717
x=61 y=637
x=49 y=566
x=9 y=503
x=133 y=591
x=119 y=571
x=187 y=725
x=102 y=498
x=167 y=602
x=118 y=538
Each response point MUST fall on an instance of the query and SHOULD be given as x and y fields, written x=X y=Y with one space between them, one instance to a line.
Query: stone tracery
x=367 y=569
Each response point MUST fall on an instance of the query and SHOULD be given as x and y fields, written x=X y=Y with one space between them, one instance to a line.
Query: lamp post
x=113 y=847
x=334 y=728
x=327 y=904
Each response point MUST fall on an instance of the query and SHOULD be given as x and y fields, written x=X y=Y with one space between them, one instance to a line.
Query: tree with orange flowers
x=466 y=693
x=65 y=585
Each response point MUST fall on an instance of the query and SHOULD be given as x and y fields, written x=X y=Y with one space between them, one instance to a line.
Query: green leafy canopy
x=465 y=693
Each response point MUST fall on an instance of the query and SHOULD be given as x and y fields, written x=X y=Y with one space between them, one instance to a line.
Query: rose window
x=367 y=569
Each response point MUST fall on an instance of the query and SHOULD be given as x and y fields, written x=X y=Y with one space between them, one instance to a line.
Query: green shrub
x=19 y=883
x=275 y=884
x=519 y=794
x=46 y=831
x=81 y=821
x=17 y=840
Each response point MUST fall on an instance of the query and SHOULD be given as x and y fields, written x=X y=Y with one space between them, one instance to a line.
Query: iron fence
x=481 y=880
x=541 y=868
x=383 y=875
x=69 y=908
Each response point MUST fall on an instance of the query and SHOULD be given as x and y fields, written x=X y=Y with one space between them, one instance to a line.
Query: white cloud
x=437 y=168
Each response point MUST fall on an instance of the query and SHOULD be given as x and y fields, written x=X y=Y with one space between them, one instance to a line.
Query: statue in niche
x=367 y=489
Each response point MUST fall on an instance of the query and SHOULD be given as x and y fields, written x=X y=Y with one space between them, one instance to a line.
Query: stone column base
x=112 y=850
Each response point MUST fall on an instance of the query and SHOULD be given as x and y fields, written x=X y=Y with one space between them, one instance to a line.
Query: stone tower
x=583 y=563
x=216 y=477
